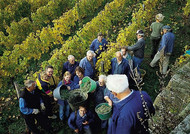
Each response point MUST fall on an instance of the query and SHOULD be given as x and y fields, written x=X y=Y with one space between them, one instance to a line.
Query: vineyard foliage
x=15 y=10
x=187 y=8
x=127 y=36
x=16 y=62
x=18 y=31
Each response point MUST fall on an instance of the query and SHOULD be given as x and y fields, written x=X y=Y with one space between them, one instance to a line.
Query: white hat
x=117 y=83
x=159 y=17
x=140 y=32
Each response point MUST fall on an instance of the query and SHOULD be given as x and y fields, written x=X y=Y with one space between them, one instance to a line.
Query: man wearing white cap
x=156 y=29
x=138 y=49
x=166 y=44
x=124 y=119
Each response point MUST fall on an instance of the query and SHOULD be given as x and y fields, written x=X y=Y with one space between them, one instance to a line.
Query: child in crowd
x=63 y=104
x=80 y=121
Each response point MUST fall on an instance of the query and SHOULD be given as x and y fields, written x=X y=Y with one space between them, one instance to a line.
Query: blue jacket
x=70 y=67
x=75 y=120
x=95 y=46
x=76 y=79
x=167 y=42
x=88 y=69
x=124 y=119
x=124 y=67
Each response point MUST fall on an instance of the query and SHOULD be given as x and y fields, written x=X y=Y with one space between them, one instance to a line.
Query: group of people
x=37 y=101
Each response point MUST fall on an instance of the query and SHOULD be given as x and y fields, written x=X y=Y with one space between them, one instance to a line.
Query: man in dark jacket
x=138 y=49
x=120 y=65
x=31 y=104
x=70 y=66
x=131 y=112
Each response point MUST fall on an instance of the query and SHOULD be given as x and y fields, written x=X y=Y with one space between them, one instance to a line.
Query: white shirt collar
x=126 y=96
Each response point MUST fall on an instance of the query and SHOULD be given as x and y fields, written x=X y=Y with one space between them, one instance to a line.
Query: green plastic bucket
x=56 y=92
x=77 y=99
x=104 y=116
x=93 y=83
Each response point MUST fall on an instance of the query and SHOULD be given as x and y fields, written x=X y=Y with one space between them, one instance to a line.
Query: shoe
x=52 y=117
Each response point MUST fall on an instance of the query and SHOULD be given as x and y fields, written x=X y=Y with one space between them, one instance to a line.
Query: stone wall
x=173 y=103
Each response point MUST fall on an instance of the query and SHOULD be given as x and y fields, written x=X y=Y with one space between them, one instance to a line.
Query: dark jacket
x=75 y=120
x=95 y=46
x=70 y=67
x=99 y=94
x=32 y=100
x=138 y=48
x=125 y=68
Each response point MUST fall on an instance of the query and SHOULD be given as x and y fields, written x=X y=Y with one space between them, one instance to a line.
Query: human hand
x=80 y=82
x=76 y=130
x=35 y=111
x=55 y=99
x=110 y=103
x=42 y=106
x=85 y=123
x=68 y=87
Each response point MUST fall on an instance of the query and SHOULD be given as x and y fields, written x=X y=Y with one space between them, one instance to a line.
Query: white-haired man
x=88 y=64
x=99 y=96
x=70 y=66
x=120 y=65
x=124 y=118
x=31 y=104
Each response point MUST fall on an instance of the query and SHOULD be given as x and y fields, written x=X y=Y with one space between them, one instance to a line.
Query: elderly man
x=88 y=64
x=166 y=44
x=99 y=45
x=99 y=96
x=130 y=112
x=31 y=104
x=138 y=49
x=120 y=65
x=70 y=66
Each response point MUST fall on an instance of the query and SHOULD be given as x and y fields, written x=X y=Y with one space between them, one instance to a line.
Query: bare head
x=49 y=70
x=71 y=59
x=89 y=55
x=100 y=37
x=124 y=50
x=102 y=80
x=119 y=56
x=30 y=85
